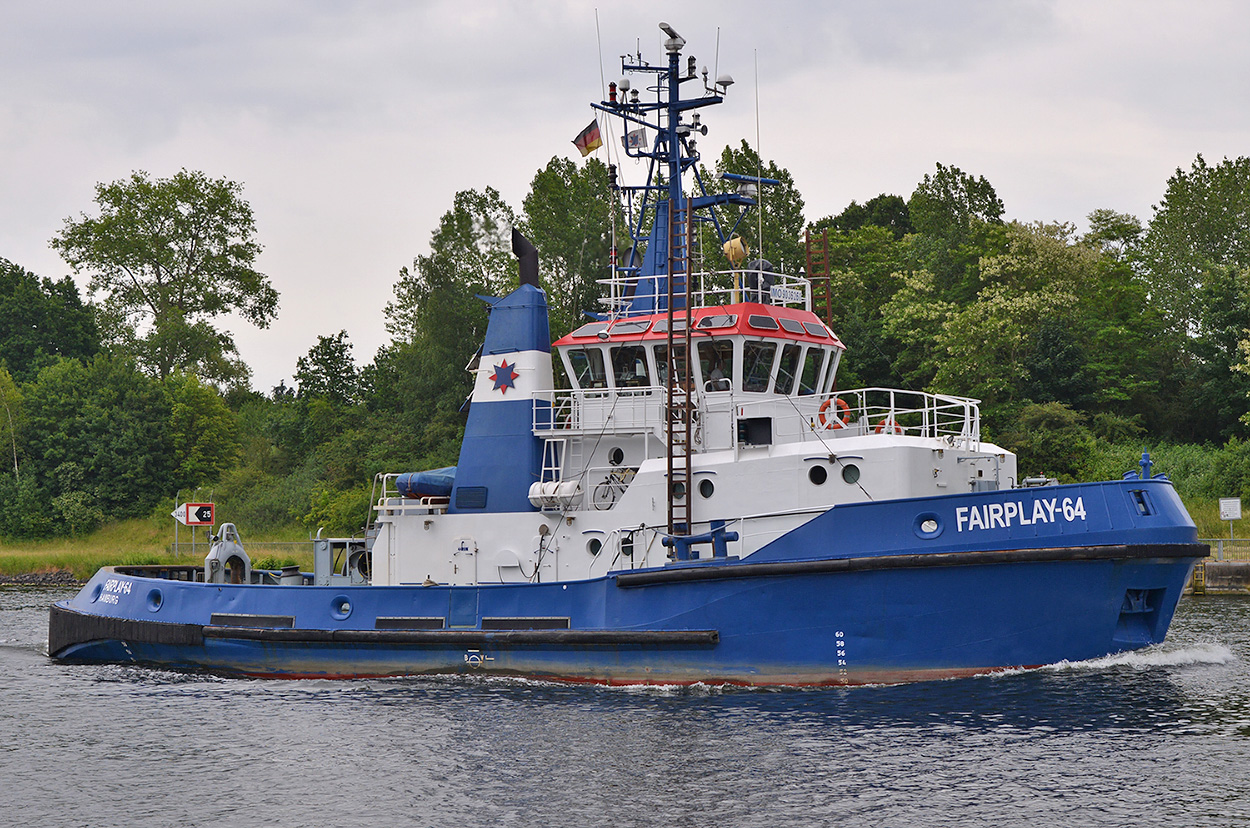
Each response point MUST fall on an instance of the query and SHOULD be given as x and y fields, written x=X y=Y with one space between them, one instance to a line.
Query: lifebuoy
x=843 y=417
x=887 y=423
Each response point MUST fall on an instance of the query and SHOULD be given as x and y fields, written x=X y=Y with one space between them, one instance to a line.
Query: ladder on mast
x=679 y=403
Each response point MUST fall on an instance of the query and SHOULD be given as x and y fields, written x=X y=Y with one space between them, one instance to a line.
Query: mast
x=657 y=275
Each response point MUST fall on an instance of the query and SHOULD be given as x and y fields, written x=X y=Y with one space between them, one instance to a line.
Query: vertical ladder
x=818 y=272
x=679 y=403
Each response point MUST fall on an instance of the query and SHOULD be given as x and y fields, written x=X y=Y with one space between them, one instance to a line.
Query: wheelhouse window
x=809 y=383
x=587 y=368
x=629 y=367
x=788 y=369
x=661 y=363
x=757 y=364
x=716 y=363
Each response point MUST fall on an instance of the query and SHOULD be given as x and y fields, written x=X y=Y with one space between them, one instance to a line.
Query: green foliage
x=338 y=512
x=1050 y=440
x=888 y=212
x=779 y=212
x=41 y=320
x=328 y=372
x=568 y=219
x=170 y=255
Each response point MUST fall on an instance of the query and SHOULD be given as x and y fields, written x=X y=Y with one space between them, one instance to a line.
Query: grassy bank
x=141 y=542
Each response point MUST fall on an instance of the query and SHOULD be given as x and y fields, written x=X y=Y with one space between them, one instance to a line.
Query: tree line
x=1084 y=348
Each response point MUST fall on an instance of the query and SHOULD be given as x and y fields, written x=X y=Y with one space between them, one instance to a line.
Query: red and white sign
x=194 y=514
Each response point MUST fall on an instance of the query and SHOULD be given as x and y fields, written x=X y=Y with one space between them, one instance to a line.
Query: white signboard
x=194 y=514
x=1230 y=508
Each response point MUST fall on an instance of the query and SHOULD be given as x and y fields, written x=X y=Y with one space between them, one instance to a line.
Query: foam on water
x=1161 y=656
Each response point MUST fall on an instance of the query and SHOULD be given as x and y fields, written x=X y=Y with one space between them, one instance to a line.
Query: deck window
x=764 y=323
x=721 y=320
x=792 y=325
x=816 y=329
x=589 y=329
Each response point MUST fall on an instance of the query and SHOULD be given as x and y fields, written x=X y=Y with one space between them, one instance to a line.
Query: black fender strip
x=872 y=563
x=67 y=628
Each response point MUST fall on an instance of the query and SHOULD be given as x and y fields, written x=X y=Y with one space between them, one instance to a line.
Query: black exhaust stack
x=527 y=255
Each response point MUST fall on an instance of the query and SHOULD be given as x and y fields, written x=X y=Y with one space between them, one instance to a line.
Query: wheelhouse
x=748 y=348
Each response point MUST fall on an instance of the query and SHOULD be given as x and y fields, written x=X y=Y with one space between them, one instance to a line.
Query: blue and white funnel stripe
x=500 y=456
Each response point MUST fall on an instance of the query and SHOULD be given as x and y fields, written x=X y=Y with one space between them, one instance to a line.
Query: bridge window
x=629 y=367
x=587 y=365
x=811 y=371
x=788 y=368
x=757 y=364
x=661 y=362
x=716 y=362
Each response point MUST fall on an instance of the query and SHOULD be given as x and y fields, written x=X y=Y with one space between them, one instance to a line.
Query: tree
x=171 y=255
x=568 y=219
x=10 y=416
x=97 y=435
x=328 y=371
x=779 y=211
x=887 y=211
x=41 y=320
x=437 y=323
x=1196 y=257
x=948 y=203
x=955 y=217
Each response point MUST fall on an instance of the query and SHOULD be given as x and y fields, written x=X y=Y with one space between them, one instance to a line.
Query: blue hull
x=870 y=593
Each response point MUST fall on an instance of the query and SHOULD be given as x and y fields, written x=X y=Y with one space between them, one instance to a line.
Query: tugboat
x=700 y=505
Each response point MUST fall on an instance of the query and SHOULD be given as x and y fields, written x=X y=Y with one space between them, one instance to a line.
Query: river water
x=1160 y=737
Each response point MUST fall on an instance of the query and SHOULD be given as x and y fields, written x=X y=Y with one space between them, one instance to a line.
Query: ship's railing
x=793 y=418
x=896 y=411
x=623 y=410
x=716 y=287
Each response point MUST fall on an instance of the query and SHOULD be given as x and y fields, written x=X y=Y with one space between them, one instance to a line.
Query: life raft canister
x=843 y=417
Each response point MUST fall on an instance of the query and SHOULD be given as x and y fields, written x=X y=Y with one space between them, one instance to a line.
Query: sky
x=351 y=125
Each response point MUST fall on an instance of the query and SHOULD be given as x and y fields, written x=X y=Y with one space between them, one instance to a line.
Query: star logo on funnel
x=504 y=377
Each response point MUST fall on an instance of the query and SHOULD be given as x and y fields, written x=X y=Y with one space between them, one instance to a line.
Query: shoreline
x=60 y=577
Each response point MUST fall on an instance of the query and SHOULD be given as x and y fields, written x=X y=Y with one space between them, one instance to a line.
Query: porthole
x=679 y=490
x=850 y=473
x=818 y=475
x=706 y=487
x=927 y=525
x=594 y=546
x=627 y=546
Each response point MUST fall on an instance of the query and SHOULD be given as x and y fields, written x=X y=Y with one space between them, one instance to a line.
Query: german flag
x=588 y=140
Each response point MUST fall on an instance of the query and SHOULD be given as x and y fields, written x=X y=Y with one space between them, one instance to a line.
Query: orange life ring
x=844 y=414
x=887 y=423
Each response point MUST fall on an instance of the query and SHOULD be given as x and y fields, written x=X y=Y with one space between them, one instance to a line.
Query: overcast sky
x=351 y=125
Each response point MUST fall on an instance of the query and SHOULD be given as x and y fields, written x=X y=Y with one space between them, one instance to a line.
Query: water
x=1155 y=738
